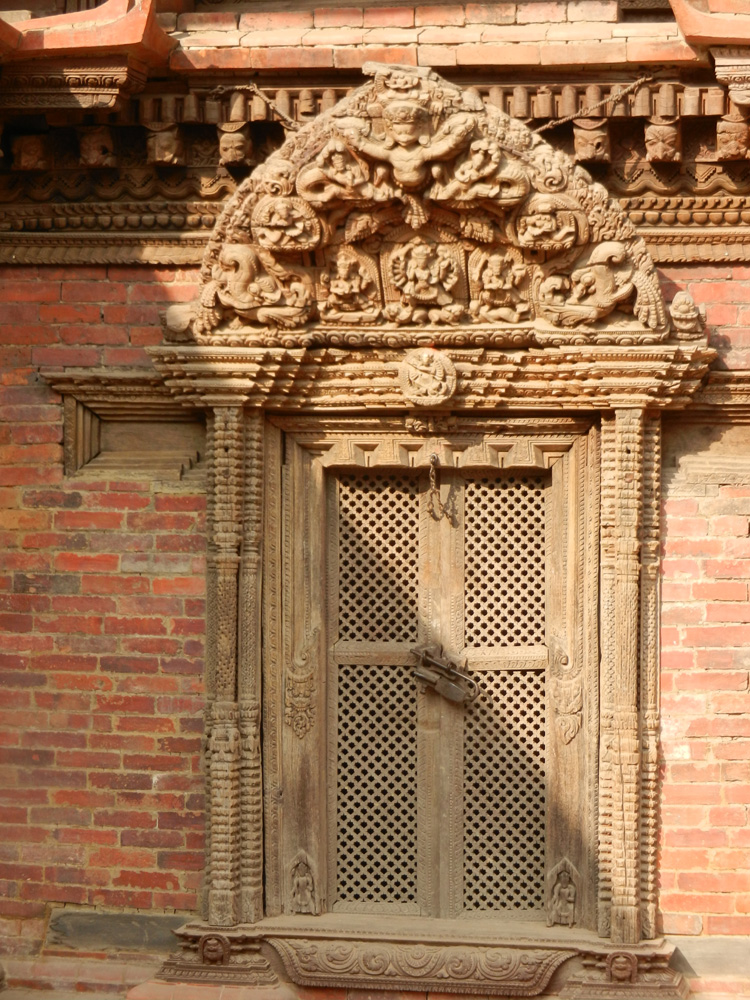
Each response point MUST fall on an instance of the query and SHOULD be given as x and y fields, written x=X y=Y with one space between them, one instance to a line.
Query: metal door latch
x=438 y=671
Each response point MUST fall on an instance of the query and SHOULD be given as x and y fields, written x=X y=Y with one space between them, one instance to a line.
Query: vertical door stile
x=428 y=721
x=332 y=634
x=275 y=598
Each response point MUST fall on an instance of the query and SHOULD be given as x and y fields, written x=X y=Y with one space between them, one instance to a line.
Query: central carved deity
x=411 y=213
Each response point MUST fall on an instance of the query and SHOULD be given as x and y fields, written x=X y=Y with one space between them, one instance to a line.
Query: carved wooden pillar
x=248 y=677
x=222 y=715
x=649 y=670
x=622 y=747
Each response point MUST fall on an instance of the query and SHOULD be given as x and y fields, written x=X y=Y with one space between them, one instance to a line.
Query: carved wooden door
x=397 y=798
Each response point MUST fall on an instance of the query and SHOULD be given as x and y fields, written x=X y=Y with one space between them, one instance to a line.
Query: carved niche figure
x=214 y=949
x=30 y=153
x=353 y=292
x=96 y=147
x=663 y=142
x=165 y=146
x=235 y=147
x=732 y=139
x=424 y=274
x=496 y=282
x=455 y=214
x=303 y=887
x=562 y=904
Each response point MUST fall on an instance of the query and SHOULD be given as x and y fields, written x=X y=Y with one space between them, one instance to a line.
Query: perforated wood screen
x=386 y=541
x=504 y=792
x=378 y=558
x=504 y=571
x=376 y=849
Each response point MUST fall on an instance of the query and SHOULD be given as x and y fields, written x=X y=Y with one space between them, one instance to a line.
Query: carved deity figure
x=663 y=143
x=235 y=149
x=285 y=224
x=214 y=949
x=30 y=153
x=165 y=147
x=425 y=274
x=352 y=294
x=335 y=174
x=427 y=376
x=547 y=226
x=500 y=298
x=481 y=172
x=303 y=889
x=622 y=967
x=562 y=904
x=96 y=148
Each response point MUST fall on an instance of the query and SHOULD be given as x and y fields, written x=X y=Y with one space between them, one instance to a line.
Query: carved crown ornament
x=413 y=216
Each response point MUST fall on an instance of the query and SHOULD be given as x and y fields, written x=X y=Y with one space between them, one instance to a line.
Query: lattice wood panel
x=378 y=558
x=505 y=555
x=376 y=854
x=504 y=792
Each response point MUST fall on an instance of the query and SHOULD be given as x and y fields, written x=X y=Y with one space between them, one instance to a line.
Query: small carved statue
x=425 y=274
x=500 y=298
x=352 y=294
x=235 y=148
x=30 y=153
x=96 y=147
x=732 y=139
x=303 y=888
x=562 y=904
x=687 y=317
x=663 y=142
x=165 y=146
x=592 y=291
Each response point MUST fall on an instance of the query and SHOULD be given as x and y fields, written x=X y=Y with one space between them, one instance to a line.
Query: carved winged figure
x=481 y=173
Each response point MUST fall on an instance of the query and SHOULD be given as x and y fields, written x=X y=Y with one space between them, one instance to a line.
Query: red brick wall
x=101 y=626
x=705 y=852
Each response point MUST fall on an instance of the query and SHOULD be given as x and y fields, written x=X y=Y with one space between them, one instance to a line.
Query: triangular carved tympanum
x=413 y=213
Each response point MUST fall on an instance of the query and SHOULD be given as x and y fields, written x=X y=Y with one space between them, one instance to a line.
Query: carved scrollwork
x=378 y=965
x=299 y=692
x=412 y=206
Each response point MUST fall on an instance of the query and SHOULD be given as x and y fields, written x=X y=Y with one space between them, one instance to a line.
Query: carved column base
x=221 y=910
x=610 y=974
x=222 y=957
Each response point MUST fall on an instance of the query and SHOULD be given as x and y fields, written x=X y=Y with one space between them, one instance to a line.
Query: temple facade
x=375 y=499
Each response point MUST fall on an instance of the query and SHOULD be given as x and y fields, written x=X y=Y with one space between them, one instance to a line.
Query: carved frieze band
x=376 y=965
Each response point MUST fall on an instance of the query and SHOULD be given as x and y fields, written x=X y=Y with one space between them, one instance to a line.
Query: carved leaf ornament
x=412 y=214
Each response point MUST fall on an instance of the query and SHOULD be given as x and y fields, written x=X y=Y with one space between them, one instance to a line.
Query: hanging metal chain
x=435 y=505
x=251 y=88
x=585 y=112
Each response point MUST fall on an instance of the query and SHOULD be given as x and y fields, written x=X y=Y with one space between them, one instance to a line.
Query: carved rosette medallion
x=412 y=213
x=427 y=377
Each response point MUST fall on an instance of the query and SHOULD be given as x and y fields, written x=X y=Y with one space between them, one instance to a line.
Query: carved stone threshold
x=576 y=376
x=499 y=957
